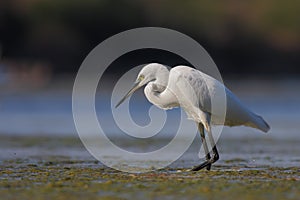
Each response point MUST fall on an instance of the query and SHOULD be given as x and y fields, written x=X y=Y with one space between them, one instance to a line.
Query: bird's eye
x=141 y=77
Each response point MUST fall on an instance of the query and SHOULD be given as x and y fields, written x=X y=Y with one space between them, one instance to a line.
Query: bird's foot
x=206 y=164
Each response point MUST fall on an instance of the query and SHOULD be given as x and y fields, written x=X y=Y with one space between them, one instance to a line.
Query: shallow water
x=234 y=153
x=48 y=114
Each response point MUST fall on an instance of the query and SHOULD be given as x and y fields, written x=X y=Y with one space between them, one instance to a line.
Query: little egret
x=193 y=90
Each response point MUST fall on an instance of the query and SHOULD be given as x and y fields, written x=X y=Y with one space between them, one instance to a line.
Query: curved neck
x=157 y=93
x=161 y=79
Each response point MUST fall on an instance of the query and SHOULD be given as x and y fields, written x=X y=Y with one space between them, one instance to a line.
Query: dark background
x=245 y=38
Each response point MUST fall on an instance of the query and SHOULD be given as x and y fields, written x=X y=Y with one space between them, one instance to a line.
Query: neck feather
x=162 y=77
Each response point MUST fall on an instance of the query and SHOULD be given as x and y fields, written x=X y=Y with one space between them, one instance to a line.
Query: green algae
x=43 y=180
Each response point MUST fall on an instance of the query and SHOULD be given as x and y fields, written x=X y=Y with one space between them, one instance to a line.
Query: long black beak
x=130 y=92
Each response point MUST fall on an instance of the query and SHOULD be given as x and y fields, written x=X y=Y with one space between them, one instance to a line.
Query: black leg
x=213 y=144
x=209 y=160
x=205 y=147
x=204 y=143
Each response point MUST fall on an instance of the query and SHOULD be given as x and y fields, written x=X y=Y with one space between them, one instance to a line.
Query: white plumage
x=194 y=91
x=201 y=88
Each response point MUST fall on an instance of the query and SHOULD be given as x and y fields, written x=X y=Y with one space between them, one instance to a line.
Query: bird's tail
x=259 y=123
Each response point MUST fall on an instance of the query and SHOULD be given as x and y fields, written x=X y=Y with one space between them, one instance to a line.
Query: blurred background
x=255 y=44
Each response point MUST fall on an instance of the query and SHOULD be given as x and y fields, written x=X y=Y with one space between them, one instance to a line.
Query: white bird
x=193 y=90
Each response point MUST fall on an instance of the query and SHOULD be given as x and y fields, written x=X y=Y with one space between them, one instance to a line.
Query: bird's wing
x=184 y=85
x=192 y=86
x=198 y=90
x=202 y=92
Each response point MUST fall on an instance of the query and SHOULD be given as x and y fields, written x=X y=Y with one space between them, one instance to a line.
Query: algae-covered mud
x=75 y=180
x=61 y=168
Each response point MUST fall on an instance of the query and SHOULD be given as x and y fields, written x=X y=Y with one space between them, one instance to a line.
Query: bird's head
x=147 y=74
